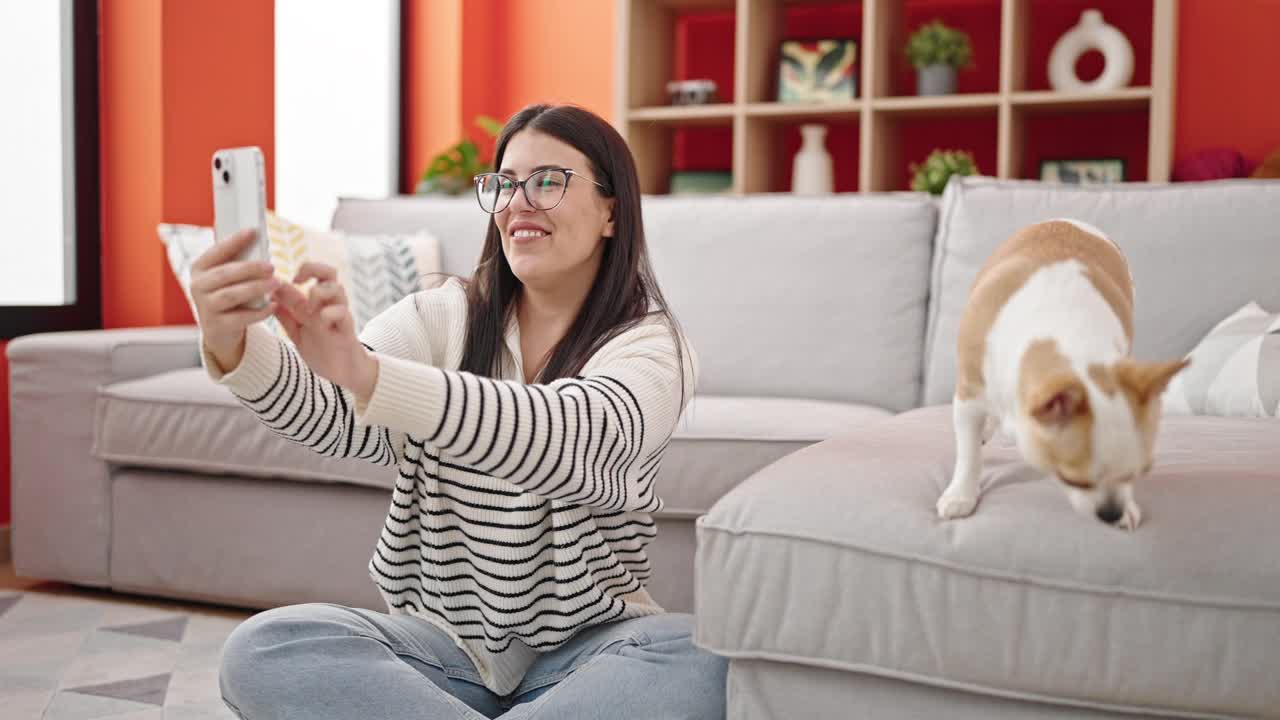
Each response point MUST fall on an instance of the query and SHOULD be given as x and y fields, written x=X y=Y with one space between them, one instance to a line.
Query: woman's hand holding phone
x=221 y=289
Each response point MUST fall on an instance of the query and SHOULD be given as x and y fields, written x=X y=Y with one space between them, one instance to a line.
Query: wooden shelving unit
x=645 y=51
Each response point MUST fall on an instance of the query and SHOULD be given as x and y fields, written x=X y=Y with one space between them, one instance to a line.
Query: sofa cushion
x=781 y=296
x=181 y=420
x=376 y=270
x=786 y=296
x=720 y=441
x=1235 y=369
x=1197 y=252
x=834 y=557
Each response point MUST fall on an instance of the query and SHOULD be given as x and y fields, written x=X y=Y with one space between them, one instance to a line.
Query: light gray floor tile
x=76 y=706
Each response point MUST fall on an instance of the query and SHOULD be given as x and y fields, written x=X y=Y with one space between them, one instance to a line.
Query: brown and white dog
x=1044 y=350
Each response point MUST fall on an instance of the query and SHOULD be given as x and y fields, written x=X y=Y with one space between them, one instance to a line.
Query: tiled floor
x=72 y=654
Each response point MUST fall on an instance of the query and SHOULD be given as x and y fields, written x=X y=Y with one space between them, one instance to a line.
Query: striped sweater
x=520 y=513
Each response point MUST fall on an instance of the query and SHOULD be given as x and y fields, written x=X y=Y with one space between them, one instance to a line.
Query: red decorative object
x=1211 y=164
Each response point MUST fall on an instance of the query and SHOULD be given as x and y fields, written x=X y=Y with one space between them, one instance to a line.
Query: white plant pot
x=811 y=172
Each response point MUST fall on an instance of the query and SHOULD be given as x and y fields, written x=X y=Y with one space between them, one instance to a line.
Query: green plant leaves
x=932 y=175
x=451 y=170
x=934 y=43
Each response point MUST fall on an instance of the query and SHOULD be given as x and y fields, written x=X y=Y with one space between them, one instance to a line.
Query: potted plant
x=936 y=50
x=932 y=175
x=450 y=171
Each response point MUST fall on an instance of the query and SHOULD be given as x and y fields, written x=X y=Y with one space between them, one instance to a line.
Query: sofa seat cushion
x=834 y=557
x=720 y=441
x=182 y=420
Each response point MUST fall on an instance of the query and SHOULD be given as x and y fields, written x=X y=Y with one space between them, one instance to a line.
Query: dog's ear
x=1146 y=380
x=1060 y=401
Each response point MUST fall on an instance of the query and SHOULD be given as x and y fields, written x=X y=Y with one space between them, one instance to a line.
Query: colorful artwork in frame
x=1085 y=171
x=817 y=70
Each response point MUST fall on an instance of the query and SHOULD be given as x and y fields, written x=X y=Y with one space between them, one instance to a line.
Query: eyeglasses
x=544 y=189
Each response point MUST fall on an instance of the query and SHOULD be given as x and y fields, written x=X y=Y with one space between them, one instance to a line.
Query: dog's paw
x=1131 y=518
x=955 y=505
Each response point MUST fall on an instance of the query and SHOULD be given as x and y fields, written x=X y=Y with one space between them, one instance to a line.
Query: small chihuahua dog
x=1043 y=350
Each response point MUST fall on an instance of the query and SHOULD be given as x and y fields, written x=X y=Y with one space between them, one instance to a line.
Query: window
x=337 y=105
x=49 y=229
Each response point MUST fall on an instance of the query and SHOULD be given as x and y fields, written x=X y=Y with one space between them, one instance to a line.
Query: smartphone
x=240 y=201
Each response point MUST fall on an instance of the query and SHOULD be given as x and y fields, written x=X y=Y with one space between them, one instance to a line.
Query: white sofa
x=824 y=328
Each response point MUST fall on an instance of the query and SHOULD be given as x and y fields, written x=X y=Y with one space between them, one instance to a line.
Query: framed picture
x=1084 y=171
x=690 y=182
x=817 y=70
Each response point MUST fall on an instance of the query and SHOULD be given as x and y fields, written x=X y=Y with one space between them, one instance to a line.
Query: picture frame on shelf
x=1083 y=171
x=700 y=182
x=817 y=71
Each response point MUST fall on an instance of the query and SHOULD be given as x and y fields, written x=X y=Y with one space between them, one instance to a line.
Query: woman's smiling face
x=545 y=247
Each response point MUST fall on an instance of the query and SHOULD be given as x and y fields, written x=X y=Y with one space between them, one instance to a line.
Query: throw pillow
x=1234 y=371
x=376 y=270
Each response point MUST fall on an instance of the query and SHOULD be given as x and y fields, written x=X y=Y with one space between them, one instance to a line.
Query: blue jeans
x=328 y=662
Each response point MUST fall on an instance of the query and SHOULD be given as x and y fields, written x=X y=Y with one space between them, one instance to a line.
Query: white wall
x=337 y=104
x=35 y=236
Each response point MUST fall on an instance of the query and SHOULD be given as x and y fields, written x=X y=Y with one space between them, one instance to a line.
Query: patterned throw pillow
x=376 y=270
x=1234 y=371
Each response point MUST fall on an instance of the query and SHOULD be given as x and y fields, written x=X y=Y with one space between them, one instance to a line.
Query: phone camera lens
x=217 y=163
x=226 y=176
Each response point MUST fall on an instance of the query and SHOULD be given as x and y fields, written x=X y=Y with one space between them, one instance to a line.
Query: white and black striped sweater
x=520 y=512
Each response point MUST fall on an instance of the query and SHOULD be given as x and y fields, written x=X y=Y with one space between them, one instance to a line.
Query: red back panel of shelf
x=704 y=49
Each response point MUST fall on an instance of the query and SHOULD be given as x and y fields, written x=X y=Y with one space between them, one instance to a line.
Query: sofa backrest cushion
x=780 y=296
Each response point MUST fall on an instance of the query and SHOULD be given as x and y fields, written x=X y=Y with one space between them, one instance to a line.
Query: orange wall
x=493 y=57
x=132 y=153
x=179 y=80
x=431 y=84
x=1226 y=77
x=559 y=51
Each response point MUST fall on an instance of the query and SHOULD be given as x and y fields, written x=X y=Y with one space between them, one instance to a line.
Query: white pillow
x=375 y=270
x=1234 y=371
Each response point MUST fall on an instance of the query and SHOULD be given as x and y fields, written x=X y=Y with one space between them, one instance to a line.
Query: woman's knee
x=257 y=651
x=696 y=678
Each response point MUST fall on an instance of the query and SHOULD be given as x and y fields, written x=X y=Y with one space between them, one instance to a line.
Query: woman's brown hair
x=624 y=292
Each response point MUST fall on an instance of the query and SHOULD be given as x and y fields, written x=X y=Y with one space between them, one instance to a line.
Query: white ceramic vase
x=1091 y=33
x=811 y=172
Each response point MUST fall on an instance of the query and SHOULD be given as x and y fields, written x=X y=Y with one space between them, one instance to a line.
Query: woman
x=526 y=412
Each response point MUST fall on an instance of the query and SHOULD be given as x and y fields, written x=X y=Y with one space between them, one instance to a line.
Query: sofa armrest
x=61 y=493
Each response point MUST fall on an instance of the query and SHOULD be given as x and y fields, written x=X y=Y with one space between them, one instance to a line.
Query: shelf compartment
x=899 y=140
x=771 y=143
x=1120 y=133
x=981 y=19
x=660 y=148
x=763 y=25
x=666 y=40
x=1045 y=22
